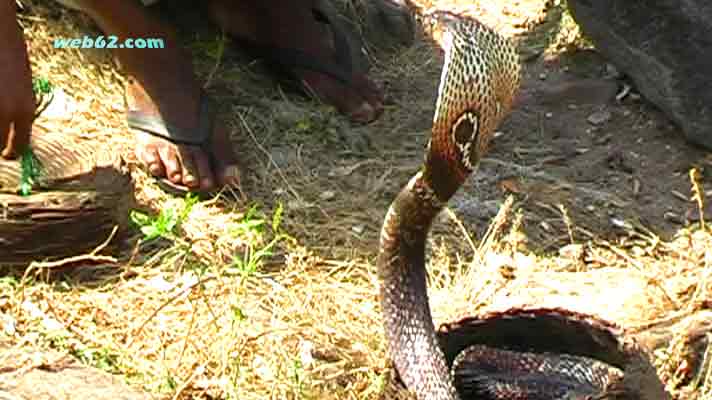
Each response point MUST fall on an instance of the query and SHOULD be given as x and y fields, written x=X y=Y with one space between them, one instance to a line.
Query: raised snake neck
x=477 y=85
x=480 y=77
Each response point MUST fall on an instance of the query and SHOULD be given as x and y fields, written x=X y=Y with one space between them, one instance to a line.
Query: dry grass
x=187 y=317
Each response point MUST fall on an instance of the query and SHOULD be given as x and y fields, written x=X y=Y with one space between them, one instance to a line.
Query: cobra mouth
x=437 y=23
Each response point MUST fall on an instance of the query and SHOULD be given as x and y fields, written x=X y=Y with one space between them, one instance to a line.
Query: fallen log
x=82 y=194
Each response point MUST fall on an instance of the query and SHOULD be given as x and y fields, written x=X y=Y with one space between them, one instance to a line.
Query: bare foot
x=164 y=88
x=192 y=166
x=297 y=25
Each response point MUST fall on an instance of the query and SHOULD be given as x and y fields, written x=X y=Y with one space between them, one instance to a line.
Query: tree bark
x=83 y=192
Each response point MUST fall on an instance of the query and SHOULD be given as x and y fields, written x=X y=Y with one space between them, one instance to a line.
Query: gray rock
x=599 y=117
x=665 y=47
x=59 y=378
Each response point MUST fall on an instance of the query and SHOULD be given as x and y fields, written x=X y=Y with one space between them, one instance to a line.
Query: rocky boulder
x=36 y=375
x=665 y=47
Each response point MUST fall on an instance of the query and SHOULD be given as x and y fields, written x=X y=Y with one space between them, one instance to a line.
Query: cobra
x=534 y=354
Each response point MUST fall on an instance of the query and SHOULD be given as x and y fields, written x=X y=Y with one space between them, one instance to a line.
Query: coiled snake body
x=537 y=354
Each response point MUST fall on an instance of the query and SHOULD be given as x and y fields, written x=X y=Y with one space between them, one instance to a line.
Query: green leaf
x=238 y=315
x=41 y=86
x=139 y=218
x=277 y=217
x=150 y=232
x=30 y=171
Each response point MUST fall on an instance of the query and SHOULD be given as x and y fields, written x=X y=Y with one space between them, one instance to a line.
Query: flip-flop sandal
x=347 y=50
x=202 y=137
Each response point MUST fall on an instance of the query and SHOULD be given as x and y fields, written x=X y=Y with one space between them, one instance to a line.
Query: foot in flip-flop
x=198 y=159
x=312 y=43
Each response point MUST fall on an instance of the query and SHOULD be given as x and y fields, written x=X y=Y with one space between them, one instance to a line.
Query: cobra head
x=480 y=77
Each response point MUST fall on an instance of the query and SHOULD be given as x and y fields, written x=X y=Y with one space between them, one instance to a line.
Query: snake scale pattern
x=536 y=354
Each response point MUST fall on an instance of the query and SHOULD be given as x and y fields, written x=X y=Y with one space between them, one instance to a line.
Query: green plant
x=59 y=339
x=165 y=223
x=237 y=315
x=30 y=166
x=41 y=86
x=170 y=384
x=30 y=171
x=251 y=223
x=253 y=257
x=297 y=373
x=44 y=94
x=211 y=48
x=9 y=281
x=103 y=358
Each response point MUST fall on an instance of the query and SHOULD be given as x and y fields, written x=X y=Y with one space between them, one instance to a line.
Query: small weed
x=165 y=224
x=253 y=257
x=212 y=49
x=103 y=358
x=58 y=339
x=250 y=223
x=41 y=86
x=377 y=384
x=277 y=218
x=234 y=390
x=323 y=126
x=170 y=384
x=251 y=260
x=304 y=125
x=8 y=281
x=31 y=169
x=237 y=315
x=297 y=373
x=698 y=194
x=43 y=90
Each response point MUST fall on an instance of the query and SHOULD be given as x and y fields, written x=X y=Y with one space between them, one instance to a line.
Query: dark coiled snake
x=535 y=354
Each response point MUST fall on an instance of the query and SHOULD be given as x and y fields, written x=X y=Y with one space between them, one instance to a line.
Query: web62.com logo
x=109 y=42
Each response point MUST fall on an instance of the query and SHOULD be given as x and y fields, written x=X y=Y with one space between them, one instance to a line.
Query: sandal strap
x=157 y=126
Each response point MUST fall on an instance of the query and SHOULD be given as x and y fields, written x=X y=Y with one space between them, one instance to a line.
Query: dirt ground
x=589 y=164
x=582 y=138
